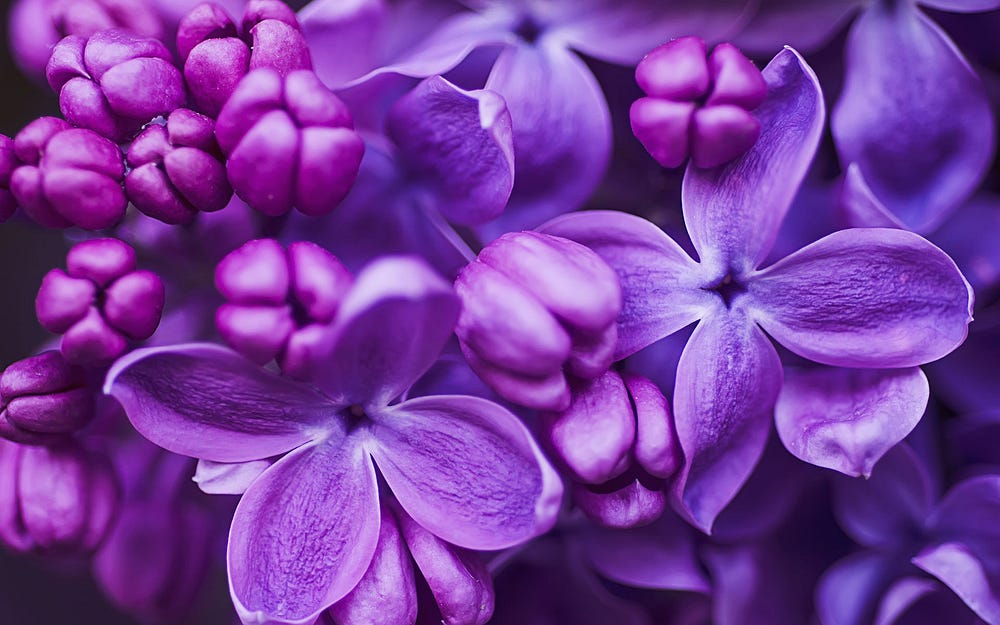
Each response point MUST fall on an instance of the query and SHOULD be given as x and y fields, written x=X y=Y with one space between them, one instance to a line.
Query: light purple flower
x=868 y=298
x=306 y=530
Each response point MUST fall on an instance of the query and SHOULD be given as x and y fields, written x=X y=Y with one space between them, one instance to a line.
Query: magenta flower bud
x=630 y=500
x=656 y=449
x=277 y=299
x=68 y=177
x=59 y=499
x=38 y=25
x=8 y=163
x=217 y=54
x=100 y=302
x=176 y=170
x=42 y=398
x=114 y=82
x=698 y=105
x=537 y=309
x=289 y=142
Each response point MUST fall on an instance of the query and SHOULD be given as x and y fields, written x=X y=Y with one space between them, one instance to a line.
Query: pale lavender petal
x=622 y=31
x=860 y=207
x=304 y=534
x=390 y=329
x=925 y=149
x=659 y=281
x=346 y=33
x=888 y=507
x=962 y=571
x=727 y=382
x=458 y=146
x=733 y=223
x=866 y=297
x=228 y=478
x=849 y=591
x=806 y=25
x=562 y=132
x=209 y=402
x=847 y=419
x=921 y=601
x=467 y=470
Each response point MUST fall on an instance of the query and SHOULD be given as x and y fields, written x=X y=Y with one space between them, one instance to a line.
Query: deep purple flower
x=114 y=82
x=277 y=300
x=100 y=302
x=289 y=142
x=697 y=106
x=307 y=528
x=176 y=169
x=8 y=163
x=59 y=499
x=216 y=52
x=867 y=298
x=537 y=310
x=42 y=399
x=68 y=176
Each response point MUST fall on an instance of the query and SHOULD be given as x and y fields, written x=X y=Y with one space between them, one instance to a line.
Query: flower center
x=728 y=288
x=355 y=415
x=529 y=29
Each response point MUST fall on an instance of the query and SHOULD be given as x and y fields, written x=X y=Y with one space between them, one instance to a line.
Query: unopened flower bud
x=536 y=309
x=8 y=163
x=100 y=302
x=698 y=105
x=176 y=169
x=68 y=176
x=114 y=82
x=630 y=500
x=43 y=398
x=276 y=299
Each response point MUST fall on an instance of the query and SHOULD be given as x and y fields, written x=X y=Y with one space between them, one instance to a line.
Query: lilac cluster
x=584 y=312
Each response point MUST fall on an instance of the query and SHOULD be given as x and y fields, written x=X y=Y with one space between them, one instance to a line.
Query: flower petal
x=658 y=279
x=733 y=212
x=866 y=297
x=921 y=601
x=228 y=478
x=959 y=568
x=925 y=149
x=562 y=132
x=727 y=382
x=467 y=470
x=458 y=145
x=847 y=419
x=206 y=401
x=806 y=25
x=849 y=591
x=304 y=534
x=390 y=329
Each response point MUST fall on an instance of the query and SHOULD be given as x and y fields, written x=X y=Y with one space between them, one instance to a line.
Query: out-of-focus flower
x=8 y=163
x=43 y=398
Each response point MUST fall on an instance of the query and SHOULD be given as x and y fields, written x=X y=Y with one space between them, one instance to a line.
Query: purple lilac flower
x=68 y=176
x=175 y=170
x=867 y=298
x=100 y=302
x=43 y=398
x=306 y=530
x=695 y=105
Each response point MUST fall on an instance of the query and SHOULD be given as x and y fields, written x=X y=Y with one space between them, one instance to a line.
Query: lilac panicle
x=289 y=142
x=38 y=25
x=42 y=399
x=866 y=298
x=537 y=310
x=176 y=169
x=114 y=82
x=216 y=52
x=58 y=499
x=68 y=176
x=307 y=528
x=100 y=302
x=697 y=106
x=276 y=299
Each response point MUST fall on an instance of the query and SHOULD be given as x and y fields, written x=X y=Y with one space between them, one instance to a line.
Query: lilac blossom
x=306 y=530
x=43 y=398
x=866 y=298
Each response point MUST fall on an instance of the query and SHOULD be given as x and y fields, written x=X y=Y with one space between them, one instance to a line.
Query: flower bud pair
x=537 y=310
x=699 y=105
x=42 y=399
x=100 y=302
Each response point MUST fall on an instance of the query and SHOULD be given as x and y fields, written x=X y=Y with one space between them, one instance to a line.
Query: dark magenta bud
x=176 y=169
x=217 y=54
x=114 y=82
x=100 y=302
x=699 y=105
x=68 y=176
x=290 y=142
x=43 y=398
x=8 y=163
x=58 y=499
x=632 y=499
x=277 y=299
x=536 y=309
